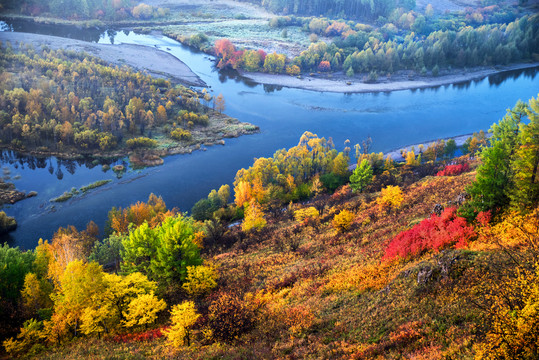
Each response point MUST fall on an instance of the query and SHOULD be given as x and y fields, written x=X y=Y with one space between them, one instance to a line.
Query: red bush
x=138 y=337
x=454 y=170
x=434 y=233
x=324 y=66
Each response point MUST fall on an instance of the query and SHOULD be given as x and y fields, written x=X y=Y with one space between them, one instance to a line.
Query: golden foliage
x=254 y=217
x=390 y=198
x=361 y=278
x=200 y=279
x=514 y=327
x=343 y=220
x=308 y=212
x=143 y=310
x=183 y=316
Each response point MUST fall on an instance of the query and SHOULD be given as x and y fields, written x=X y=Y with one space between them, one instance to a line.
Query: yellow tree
x=200 y=280
x=254 y=217
x=143 y=310
x=183 y=317
x=390 y=198
x=219 y=103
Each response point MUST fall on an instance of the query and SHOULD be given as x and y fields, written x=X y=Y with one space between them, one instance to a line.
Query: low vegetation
x=404 y=266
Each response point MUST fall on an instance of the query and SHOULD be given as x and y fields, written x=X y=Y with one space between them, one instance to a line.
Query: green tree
x=494 y=179
x=14 y=265
x=361 y=177
x=525 y=193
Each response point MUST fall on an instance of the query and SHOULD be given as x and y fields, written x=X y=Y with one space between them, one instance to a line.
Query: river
x=391 y=119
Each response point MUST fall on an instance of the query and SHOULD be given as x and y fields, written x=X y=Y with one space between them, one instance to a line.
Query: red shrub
x=138 y=337
x=453 y=170
x=434 y=233
x=324 y=66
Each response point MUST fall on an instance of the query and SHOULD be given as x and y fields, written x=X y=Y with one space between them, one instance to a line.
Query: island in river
x=73 y=104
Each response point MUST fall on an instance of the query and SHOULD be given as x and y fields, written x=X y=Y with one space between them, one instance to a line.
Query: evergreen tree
x=362 y=176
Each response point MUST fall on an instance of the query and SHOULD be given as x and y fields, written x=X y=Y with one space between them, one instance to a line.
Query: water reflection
x=92 y=34
x=23 y=161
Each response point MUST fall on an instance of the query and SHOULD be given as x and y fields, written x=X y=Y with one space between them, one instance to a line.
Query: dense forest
x=111 y=10
x=435 y=257
x=408 y=41
x=62 y=101
x=351 y=9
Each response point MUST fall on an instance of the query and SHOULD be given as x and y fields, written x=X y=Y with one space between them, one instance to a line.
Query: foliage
x=14 y=265
x=454 y=170
x=163 y=252
x=63 y=102
x=27 y=341
x=7 y=223
x=230 y=317
x=507 y=175
x=143 y=310
x=200 y=280
x=390 y=198
x=305 y=213
x=153 y=211
x=254 y=217
x=513 y=331
x=183 y=317
x=343 y=220
x=141 y=142
x=434 y=233
x=362 y=176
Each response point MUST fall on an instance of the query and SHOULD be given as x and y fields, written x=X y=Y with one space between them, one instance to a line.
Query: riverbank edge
x=353 y=85
x=149 y=153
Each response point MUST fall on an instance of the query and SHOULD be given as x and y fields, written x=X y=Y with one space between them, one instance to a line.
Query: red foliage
x=138 y=337
x=262 y=54
x=484 y=218
x=434 y=233
x=324 y=66
x=224 y=49
x=453 y=170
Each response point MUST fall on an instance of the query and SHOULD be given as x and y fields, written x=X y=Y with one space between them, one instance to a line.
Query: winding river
x=392 y=120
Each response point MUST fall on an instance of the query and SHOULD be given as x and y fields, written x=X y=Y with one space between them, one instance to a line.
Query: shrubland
x=415 y=263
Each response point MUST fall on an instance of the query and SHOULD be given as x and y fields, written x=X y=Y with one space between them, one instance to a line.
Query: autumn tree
x=219 y=103
x=254 y=217
x=390 y=198
x=183 y=317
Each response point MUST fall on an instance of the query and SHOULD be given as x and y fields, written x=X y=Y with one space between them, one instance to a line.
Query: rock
x=31 y=194
x=118 y=168
x=425 y=275
x=461 y=198
x=7 y=223
x=438 y=209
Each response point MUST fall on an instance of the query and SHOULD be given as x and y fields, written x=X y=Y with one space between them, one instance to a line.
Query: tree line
x=111 y=10
x=56 y=100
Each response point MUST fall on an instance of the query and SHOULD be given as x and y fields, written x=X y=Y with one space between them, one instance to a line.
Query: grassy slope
x=328 y=295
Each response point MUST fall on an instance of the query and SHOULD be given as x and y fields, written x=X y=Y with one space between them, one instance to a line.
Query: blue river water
x=391 y=119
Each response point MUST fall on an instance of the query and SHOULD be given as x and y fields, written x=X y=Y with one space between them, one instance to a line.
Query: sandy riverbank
x=341 y=84
x=143 y=58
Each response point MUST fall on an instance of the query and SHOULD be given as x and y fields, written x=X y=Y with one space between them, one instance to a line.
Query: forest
x=353 y=9
x=408 y=41
x=109 y=10
x=433 y=257
x=63 y=102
